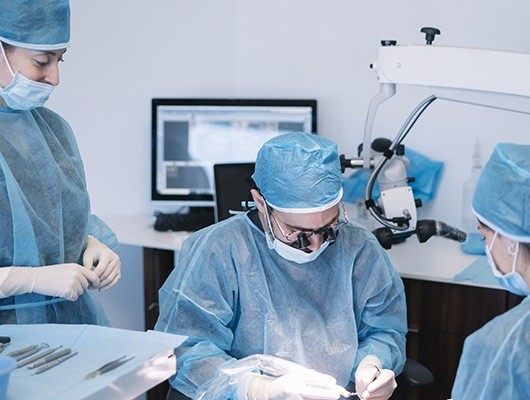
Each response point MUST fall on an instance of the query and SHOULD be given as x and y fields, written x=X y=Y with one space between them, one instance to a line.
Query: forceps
x=108 y=367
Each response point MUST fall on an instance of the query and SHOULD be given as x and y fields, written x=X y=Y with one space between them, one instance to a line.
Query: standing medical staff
x=287 y=289
x=51 y=248
x=495 y=362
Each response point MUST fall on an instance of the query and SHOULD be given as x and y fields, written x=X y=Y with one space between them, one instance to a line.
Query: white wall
x=124 y=303
x=124 y=52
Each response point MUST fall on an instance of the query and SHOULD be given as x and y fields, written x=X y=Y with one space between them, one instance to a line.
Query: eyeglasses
x=300 y=238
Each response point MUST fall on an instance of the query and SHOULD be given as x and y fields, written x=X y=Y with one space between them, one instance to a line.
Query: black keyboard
x=196 y=218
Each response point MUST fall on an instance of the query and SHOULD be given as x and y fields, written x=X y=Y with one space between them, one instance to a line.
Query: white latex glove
x=373 y=382
x=292 y=387
x=60 y=280
x=107 y=263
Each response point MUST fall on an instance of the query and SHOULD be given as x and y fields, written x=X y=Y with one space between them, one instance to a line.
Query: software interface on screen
x=190 y=139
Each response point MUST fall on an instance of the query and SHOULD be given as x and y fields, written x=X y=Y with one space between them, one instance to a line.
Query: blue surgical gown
x=234 y=297
x=495 y=363
x=44 y=212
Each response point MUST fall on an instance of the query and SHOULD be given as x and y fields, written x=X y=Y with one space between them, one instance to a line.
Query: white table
x=437 y=260
x=153 y=362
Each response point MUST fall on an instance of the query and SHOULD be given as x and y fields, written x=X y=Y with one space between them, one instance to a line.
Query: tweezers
x=108 y=367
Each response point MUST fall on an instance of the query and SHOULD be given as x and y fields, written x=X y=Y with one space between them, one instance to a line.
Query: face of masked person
x=27 y=77
x=300 y=238
x=315 y=228
x=505 y=269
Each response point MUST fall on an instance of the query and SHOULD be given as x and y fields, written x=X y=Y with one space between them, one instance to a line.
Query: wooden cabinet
x=440 y=317
x=158 y=264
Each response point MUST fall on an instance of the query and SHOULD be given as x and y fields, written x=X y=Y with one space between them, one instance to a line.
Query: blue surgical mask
x=23 y=93
x=512 y=281
x=288 y=252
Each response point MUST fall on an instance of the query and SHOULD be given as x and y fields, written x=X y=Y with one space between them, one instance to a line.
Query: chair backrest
x=232 y=188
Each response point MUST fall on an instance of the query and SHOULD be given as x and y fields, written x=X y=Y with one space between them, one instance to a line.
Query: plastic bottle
x=474 y=244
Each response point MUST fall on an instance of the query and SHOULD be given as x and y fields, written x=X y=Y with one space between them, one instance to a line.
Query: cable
x=400 y=223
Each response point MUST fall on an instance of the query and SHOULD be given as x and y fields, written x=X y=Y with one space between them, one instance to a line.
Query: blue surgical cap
x=299 y=173
x=502 y=196
x=35 y=24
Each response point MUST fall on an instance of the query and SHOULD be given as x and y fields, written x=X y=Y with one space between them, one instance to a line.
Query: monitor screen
x=189 y=136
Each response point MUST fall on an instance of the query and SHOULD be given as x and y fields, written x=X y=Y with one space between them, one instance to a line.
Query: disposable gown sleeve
x=4 y=272
x=380 y=296
x=488 y=369
x=102 y=232
x=202 y=309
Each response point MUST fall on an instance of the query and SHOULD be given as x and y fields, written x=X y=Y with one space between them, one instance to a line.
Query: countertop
x=437 y=260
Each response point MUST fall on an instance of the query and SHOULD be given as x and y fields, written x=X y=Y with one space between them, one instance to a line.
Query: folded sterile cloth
x=474 y=244
x=479 y=271
x=426 y=172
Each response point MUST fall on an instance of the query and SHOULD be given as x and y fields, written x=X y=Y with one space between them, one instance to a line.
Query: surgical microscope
x=487 y=78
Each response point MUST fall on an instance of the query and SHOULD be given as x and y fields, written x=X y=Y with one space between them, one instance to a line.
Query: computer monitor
x=189 y=136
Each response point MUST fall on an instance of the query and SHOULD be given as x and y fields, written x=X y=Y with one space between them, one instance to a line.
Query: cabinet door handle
x=414 y=330
x=152 y=306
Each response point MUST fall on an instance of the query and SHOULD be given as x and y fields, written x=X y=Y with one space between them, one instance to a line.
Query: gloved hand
x=107 y=263
x=60 y=280
x=373 y=382
x=291 y=387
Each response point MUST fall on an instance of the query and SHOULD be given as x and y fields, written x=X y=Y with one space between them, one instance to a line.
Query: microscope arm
x=485 y=78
